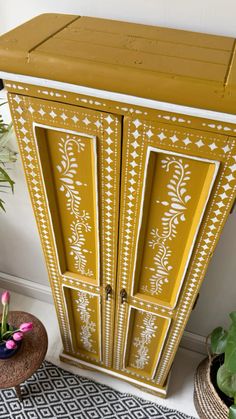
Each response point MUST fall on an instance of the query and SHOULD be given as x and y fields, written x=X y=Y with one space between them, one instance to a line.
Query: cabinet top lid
x=163 y=64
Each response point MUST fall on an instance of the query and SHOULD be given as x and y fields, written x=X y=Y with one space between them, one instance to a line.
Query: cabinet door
x=177 y=188
x=71 y=158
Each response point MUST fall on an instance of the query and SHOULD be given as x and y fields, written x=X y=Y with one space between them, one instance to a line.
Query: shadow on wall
x=217 y=295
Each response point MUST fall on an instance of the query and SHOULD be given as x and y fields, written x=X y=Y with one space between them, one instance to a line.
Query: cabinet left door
x=71 y=158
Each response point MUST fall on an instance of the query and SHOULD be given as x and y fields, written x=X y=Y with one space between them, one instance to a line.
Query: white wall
x=213 y=16
x=20 y=252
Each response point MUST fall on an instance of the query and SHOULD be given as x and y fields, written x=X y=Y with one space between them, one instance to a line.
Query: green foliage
x=226 y=381
x=224 y=342
x=6 y=156
x=230 y=350
x=232 y=412
x=218 y=340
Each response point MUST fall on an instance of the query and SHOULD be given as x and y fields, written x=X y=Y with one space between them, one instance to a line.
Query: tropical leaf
x=232 y=412
x=226 y=381
x=233 y=316
x=230 y=351
x=218 y=340
x=2 y=205
x=4 y=177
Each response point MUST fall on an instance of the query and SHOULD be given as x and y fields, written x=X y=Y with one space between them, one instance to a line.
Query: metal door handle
x=123 y=295
x=108 y=291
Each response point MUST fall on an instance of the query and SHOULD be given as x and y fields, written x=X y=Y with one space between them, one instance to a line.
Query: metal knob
x=123 y=296
x=108 y=291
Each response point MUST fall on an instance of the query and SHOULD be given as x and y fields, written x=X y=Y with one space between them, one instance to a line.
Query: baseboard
x=26 y=287
x=194 y=342
x=33 y=289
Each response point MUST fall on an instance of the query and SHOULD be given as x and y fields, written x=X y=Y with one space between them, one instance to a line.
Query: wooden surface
x=158 y=63
x=16 y=370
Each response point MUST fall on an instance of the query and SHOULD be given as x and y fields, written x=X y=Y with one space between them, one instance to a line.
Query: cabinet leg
x=18 y=392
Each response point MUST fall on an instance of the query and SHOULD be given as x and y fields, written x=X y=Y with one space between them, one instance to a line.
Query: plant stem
x=10 y=332
x=4 y=319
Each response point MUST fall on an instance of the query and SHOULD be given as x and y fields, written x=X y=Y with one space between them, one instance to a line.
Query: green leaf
x=233 y=316
x=6 y=178
x=226 y=381
x=2 y=205
x=218 y=340
x=230 y=350
x=232 y=412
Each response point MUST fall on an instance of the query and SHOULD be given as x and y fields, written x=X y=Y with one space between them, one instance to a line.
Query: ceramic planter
x=8 y=353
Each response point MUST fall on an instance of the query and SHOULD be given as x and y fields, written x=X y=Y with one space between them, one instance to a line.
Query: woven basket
x=207 y=402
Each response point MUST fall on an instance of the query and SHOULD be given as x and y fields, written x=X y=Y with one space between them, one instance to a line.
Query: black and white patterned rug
x=55 y=393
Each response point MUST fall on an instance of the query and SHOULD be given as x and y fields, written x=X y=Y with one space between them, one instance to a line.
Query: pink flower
x=10 y=344
x=26 y=327
x=5 y=297
x=18 y=336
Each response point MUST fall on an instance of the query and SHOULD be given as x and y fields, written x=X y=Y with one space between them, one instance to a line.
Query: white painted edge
x=114 y=374
x=26 y=287
x=186 y=156
x=86 y=136
x=120 y=97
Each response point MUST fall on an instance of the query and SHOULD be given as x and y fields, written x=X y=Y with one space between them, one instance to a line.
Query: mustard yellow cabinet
x=71 y=157
x=173 y=199
x=128 y=140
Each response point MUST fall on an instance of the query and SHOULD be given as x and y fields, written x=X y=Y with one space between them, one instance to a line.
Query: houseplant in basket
x=10 y=336
x=215 y=380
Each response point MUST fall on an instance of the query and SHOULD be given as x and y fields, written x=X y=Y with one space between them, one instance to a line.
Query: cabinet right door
x=178 y=186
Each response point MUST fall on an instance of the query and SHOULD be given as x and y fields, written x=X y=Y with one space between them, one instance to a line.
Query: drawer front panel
x=71 y=158
x=177 y=188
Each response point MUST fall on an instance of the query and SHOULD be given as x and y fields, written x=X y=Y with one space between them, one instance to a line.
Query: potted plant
x=215 y=380
x=10 y=336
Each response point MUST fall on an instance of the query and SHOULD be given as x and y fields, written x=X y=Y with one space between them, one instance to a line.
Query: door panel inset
x=72 y=161
x=84 y=311
x=175 y=193
x=146 y=333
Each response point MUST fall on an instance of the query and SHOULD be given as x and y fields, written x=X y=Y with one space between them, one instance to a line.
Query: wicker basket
x=207 y=402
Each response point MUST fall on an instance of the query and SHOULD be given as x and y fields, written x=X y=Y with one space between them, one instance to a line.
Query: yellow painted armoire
x=127 y=135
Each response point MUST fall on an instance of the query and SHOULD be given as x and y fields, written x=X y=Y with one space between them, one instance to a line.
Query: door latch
x=108 y=291
x=123 y=296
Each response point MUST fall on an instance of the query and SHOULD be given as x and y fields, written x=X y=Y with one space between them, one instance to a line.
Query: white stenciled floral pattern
x=77 y=242
x=70 y=186
x=143 y=341
x=176 y=212
x=88 y=327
